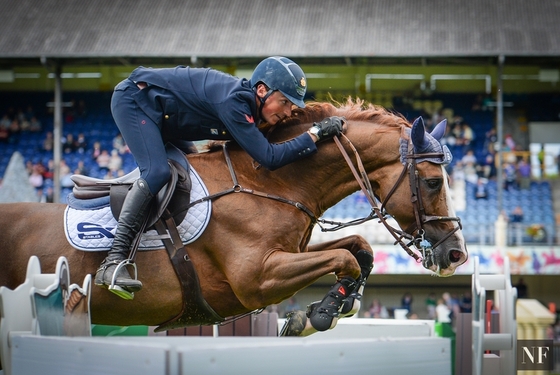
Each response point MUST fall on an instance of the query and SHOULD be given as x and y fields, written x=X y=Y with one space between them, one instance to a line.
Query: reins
x=377 y=207
x=378 y=210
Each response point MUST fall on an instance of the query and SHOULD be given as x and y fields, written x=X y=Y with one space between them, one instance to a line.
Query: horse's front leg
x=344 y=298
x=361 y=249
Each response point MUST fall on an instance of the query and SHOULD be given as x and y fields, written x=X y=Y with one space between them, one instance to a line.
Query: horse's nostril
x=455 y=256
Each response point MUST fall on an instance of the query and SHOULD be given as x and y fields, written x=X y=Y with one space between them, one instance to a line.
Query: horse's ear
x=418 y=135
x=439 y=130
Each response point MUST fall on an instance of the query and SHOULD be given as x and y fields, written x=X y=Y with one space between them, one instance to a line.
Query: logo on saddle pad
x=90 y=231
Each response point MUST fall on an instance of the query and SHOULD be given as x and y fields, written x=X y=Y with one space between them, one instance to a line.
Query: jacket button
x=224 y=132
x=166 y=117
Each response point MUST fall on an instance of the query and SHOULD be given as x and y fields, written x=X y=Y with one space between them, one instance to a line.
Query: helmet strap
x=262 y=101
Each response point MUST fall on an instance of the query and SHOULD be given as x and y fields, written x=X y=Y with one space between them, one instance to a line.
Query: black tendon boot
x=135 y=210
x=365 y=260
x=322 y=315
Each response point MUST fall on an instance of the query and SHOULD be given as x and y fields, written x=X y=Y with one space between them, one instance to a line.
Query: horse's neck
x=319 y=181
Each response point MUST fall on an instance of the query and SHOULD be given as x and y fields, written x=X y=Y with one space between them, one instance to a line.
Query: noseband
x=415 y=233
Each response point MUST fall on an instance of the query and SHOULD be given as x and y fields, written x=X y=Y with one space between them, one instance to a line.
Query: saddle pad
x=94 y=229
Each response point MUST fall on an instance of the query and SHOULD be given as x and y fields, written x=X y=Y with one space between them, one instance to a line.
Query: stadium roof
x=117 y=31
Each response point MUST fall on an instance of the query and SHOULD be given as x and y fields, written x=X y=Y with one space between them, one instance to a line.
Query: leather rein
x=414 y=235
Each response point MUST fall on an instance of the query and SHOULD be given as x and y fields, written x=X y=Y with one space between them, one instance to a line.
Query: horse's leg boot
x=324 y=315
x=111 y=273
x=352 y=303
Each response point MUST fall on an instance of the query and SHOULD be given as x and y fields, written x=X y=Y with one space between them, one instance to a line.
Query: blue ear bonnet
x=424 y=142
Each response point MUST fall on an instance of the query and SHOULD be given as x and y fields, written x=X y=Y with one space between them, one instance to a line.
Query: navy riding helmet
x=282 y=74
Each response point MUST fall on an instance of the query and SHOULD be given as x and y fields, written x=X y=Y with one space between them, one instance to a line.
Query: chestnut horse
x=254 y=251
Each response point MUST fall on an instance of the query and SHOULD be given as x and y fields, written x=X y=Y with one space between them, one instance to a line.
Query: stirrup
x=119 y=291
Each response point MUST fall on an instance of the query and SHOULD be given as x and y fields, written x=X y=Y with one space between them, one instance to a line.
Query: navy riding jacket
x=195 y=104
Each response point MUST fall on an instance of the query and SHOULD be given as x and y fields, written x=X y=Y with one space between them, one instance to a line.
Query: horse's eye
x=434 y=183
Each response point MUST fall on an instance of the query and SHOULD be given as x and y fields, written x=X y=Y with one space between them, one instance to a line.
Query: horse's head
x=420 y=200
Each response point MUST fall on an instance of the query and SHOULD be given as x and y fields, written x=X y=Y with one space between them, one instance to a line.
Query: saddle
x=175 y=194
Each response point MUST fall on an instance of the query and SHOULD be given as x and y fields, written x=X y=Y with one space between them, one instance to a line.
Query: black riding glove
x=328 y=127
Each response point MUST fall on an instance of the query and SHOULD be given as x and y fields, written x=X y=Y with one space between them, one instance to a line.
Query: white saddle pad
x=94 y=229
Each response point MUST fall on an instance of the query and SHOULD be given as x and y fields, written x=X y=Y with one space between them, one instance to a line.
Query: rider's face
x=276 y=107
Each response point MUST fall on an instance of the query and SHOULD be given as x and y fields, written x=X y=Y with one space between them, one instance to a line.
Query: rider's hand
x=328 y=127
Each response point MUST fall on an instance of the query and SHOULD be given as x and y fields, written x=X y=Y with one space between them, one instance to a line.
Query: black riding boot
x=135 y=210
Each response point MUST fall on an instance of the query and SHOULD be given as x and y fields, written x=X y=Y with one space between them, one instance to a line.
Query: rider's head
x=281 y=74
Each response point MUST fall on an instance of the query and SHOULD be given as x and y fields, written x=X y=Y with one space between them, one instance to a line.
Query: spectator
x=452 y=303
x=516 y=215
x=5 y=121
x=48 y=142
x=510 y=176
x=46 y=195
x=115 y=161
x=65 y=174
x=541 y=156
x=24 y=125
x=35 y=125
x=36 y=178
x=103 y=160
x=469 y=157
x=48 y=172
x=96 y=151
x=119 y=144
x=69 y=144
x=443 y=313
x=406 y=301
x=481 y=189
x=524 y=174
x=376 y=310
x=491 y=137
x=458 y=173
x=489 y=166
x=465 y=304
x=467 y=135
x=431 y=304
x=509 y=143
x=81 y=143
x=81 y=168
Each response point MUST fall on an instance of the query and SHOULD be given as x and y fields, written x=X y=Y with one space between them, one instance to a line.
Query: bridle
x=415 y=233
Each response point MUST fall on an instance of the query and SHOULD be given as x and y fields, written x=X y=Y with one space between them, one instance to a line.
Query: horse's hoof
x=295 y=324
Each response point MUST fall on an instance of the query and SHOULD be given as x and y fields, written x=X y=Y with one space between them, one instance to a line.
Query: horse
x=255 y=251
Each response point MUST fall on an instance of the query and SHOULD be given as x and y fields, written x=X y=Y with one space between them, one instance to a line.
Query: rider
x=155 y=106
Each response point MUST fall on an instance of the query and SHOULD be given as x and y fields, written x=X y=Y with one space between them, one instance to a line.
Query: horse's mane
x=352 y=109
